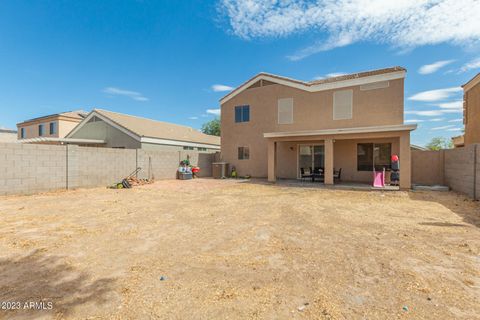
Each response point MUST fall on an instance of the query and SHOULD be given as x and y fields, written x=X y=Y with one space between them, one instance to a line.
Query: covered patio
x=346 y=155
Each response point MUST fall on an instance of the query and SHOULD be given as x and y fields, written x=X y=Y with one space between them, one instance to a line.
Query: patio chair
x=305 y=174
x=337 y=174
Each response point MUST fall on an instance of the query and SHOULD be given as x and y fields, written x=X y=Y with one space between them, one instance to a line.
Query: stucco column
x=271 y=160
x=328 y=161
x=405 y=161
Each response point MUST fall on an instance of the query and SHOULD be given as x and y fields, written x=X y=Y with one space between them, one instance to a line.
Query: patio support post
x=271 y=160
x=328 y=161
x=405 y=161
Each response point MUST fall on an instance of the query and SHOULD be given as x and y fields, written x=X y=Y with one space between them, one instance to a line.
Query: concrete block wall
x=428 y=167
x=29 y=169
x=90 y=167
x=158 y=164
x=459 y=169
x=477 y=176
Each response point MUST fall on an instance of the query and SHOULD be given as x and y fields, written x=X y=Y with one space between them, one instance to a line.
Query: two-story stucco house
x=51 y=126
x=471 y=111
x=274 y=126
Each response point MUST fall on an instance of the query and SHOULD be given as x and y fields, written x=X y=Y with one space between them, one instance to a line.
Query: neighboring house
x=52 y=126
x=458 y=141
x=7 y=135
x=417 y=148
x=471 y=110
x=119 y=130
x=274 y=126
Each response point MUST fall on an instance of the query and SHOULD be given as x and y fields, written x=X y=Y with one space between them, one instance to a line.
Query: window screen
x=53 y=128
x=242 y=113
x=41 y=130
x=285 y=111
x=243 y=153
x=342 y=104
x=22 y=133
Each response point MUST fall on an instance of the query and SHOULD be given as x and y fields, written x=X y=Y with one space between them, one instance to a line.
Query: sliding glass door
x=311 y=158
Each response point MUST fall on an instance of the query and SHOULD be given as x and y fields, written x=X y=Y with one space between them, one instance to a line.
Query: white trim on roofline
x=398 y=127
x=107 y=120
x=321 y=86
x=178 y=143
x=63 y=140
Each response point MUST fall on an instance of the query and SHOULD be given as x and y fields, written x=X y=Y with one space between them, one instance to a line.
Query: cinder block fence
x=457 y=168
x=29 y=168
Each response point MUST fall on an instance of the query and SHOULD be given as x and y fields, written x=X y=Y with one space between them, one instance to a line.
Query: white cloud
x=335 y=74
x=455 y=129
x=127 y=93
x=432 y=113
x=436 y=119
x=215 y=112
x=434 y=67
x=221 y=88
x=402 y=24
x=474 y=64
x=456 y=120
x=443 y=127
x=193 y=118
x=435 y=95
x=451 y=105
x=414 y=121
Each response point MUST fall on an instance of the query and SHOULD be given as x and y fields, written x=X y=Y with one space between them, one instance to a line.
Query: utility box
x=220 y=170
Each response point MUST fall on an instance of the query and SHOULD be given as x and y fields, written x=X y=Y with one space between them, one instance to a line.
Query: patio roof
x=374 y=129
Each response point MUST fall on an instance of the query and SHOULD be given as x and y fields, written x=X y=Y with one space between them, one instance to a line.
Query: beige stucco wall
x=472 y=125
x=311 y=111
x=64 y=126
x=8 y=137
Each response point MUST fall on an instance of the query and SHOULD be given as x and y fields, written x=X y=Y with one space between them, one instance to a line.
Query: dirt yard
x=210 y=249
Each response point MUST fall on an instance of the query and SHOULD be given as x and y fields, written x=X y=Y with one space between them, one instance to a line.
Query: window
x=342 y=104
x=285 y=111
x=41 y=130
x=242 y=114
x=53 y=127
x=22 y=133
x=243 y=153
x=373 y=154
x=201 y=149
x=187 y=148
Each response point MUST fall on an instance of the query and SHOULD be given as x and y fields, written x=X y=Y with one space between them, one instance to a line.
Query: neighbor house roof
x=347 y=80
x=148 y=128
x=77 y=114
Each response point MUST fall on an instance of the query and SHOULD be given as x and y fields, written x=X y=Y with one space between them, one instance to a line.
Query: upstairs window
x=53 y=127
x=41 y=130
x=371 y=155
x=201 y=149
x=187 y=148
x=242 y=114
x=342 y=104
x=243 y=153
x=22 y=133
x=285 y=111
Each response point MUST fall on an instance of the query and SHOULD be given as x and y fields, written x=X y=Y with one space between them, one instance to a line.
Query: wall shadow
x=37 y=277
x=468 y=209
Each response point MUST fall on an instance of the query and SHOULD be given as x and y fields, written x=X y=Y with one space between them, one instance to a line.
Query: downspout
x=66 y=166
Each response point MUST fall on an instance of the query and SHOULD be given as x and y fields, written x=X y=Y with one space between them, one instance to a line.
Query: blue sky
x=173 y=60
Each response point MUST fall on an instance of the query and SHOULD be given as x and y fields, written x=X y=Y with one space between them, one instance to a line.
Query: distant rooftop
x=76 y=114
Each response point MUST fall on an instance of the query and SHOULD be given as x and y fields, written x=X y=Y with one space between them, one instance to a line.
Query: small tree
x=212 y=127
x=439 y=143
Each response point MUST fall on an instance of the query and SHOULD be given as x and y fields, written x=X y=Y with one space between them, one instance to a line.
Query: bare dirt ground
x=240 y=250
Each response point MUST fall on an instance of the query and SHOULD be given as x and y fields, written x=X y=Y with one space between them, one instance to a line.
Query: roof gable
x=323 y=84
